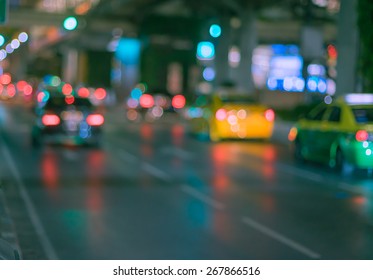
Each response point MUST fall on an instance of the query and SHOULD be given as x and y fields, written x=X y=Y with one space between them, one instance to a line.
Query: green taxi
x=339 y=134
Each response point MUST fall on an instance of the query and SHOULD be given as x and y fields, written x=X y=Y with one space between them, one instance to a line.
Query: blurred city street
x=186 y=130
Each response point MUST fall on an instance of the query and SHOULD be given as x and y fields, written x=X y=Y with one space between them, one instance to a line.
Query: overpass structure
x=161 y=25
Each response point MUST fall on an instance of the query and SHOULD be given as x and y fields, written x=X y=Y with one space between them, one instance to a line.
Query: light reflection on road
x=50 y=170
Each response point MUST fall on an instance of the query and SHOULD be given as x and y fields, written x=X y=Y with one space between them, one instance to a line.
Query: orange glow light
x=292 y=134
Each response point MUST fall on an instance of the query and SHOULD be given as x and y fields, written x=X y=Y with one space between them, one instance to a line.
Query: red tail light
x=146 y=101
x=178 y=101
x=100 y=93
x=362 y=135
x=269 y=115
x=50 y=120
x=95 y=120
x=69 y=99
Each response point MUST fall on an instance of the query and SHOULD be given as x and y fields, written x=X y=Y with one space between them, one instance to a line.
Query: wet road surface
x=154 y=192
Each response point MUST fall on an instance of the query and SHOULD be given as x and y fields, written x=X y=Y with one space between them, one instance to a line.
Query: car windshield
x=363 y=114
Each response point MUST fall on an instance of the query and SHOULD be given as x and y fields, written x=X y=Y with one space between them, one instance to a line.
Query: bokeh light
x=23 y=37
x=215 y=30
x=70 y=23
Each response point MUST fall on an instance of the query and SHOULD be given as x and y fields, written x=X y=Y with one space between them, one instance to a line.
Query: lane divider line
x=279 y=237
x=202 y=197
x=178 y=152
x=317 y=178
x=35 y=220
x=156 y=172
x=350 y=188
x=312 y=176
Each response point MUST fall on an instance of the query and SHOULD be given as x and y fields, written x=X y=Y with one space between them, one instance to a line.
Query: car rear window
x=363 y=115
x=59 y=102
x=238 y=100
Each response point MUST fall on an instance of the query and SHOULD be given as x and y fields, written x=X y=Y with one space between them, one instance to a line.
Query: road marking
x=202 y=197
x=309 y=175
x=178 y=152
x=279 y=237
x=300 y=172
x=156 y=172
x=317 y=177
x=40 y=231
x=350 y=188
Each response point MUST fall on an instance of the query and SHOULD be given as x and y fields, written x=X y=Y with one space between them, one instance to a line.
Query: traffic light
x=3 y=11
x=70 y=23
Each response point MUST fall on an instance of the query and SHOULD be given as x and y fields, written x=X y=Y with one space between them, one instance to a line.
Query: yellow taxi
x=230 y=117
x=339 y=134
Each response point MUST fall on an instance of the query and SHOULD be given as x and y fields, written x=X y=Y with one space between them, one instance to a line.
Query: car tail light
x=100 y=93
x=95 y=120
x=221 y=114
x=83 y=92
x=69 y=99
x=178 y=101
x=50 y=120
x=292 y=134
x=362 y=135
x=269 y=115
x=146 y=101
